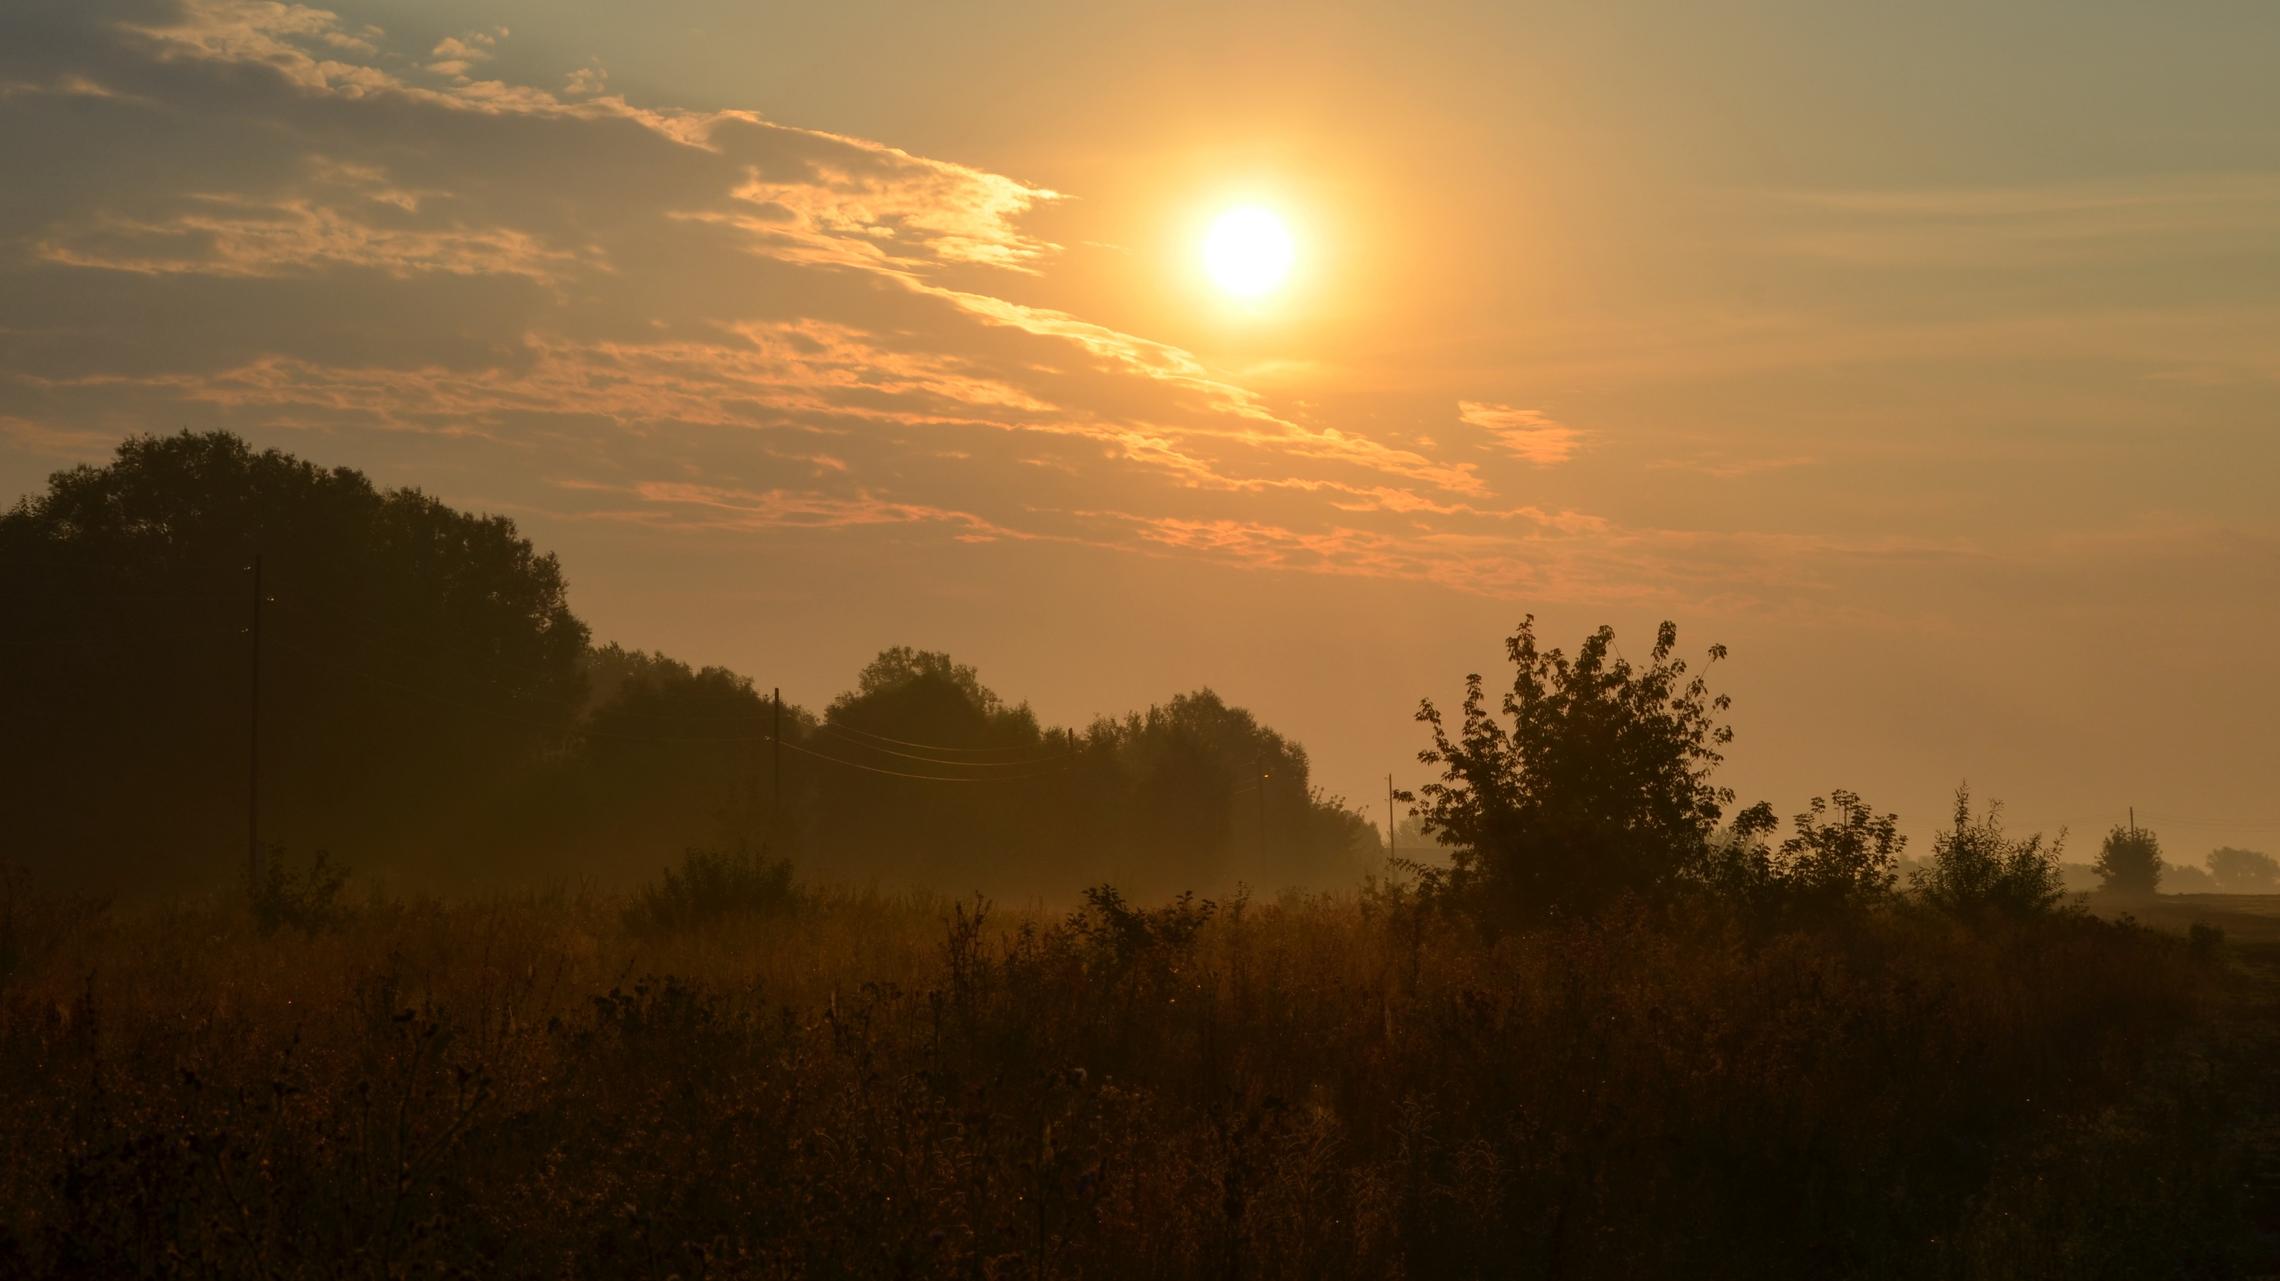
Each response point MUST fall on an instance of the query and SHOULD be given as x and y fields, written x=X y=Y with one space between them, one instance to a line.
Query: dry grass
x=879 y=1086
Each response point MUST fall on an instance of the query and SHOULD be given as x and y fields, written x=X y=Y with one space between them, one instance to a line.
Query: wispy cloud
x=705 y=320
x=1523 y=433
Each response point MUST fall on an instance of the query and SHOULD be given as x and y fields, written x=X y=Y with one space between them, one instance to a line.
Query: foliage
x=520 y=1088
x=1978 y=870
x=408 y=651
x=2181 y=878
x=431 y=710
x=2130 y=861
x=1842 y=850
x=1599 y=787
x=288 y=895
x=1841 y=856
x=711 y=886
x=2239 y=871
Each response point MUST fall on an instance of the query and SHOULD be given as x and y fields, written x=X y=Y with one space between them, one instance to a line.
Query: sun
x=1249 y=251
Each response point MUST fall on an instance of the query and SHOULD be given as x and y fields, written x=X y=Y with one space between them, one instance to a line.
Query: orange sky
x=1931 y=359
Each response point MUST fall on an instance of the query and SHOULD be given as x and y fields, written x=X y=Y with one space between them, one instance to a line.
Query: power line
x=924 y=778
x=828 y=727
x=925 y=747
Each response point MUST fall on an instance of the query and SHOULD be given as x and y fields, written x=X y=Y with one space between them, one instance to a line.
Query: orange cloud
x=1523 y=433
x=234 y=236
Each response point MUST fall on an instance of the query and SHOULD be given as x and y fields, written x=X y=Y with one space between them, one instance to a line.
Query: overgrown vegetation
x=436 y=715
x=1621 y=1031
x=1313 y=1088
x=1978 y=869
x=286 y=894
x=712 y=886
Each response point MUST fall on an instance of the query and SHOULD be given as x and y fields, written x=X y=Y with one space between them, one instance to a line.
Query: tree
x=1600 y=786
x=1842 y=851
x=1978 y=869
x=667 y=758
x=414 y=659
x=2239 y=871
x=2130 y=861
x=1840 y=855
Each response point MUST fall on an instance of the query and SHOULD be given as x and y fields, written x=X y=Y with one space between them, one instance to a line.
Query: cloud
x=1524 y=433
x=686 y=320
x=456 y=56
x=586 y=81
x=232 y=235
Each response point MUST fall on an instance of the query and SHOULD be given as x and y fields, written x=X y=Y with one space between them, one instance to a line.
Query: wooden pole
x=253 y=736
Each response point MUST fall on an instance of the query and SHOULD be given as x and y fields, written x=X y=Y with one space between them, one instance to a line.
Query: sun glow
x=1248 y=252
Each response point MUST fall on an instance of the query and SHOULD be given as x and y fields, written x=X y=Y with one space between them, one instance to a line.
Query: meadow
x=818 y=1082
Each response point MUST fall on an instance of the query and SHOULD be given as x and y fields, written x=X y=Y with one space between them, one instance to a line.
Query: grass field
x=1333 y=1086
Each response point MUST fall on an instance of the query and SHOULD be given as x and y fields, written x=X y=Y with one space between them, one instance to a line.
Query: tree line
x=428 y=704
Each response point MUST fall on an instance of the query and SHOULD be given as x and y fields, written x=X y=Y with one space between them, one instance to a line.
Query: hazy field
x=1323 y=1086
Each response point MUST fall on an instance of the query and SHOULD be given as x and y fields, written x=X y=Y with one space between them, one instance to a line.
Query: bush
x=2207 y=941
x=2130 y=861
x=1978 y=870
x=1841 y=857
x=304 y=898
x=714 y=885
x=1599 y=789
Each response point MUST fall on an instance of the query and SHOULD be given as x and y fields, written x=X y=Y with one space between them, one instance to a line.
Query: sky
x=1926 y=356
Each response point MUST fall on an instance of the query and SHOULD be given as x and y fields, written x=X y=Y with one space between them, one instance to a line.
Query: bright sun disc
x=1248 y=252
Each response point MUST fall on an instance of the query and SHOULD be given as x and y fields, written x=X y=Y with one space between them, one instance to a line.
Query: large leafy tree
x=1594 y=782
x=413 y=656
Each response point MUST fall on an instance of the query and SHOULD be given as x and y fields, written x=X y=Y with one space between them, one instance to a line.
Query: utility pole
x=1259 y=766
x=1392 y=824
x=776 y=768
x=253 y=736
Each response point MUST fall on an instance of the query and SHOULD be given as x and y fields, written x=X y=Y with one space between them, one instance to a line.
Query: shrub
x=1841 y=856
x=2206 y=940
x=1976 y=869
x=1599 y=788
x=713 y=885
x=303 y=898
x=2130 y=861
x=1842 y=851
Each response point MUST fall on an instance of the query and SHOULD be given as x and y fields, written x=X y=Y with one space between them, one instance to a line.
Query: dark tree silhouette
x=430 y=705
x=2130 y=861
x=414 y=658
x=1978 y=869
x=1842 y=850
x=1600 y=786
x=2239 y=871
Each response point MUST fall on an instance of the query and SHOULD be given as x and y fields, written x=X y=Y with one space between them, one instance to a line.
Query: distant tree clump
x=1599 y=786
x=2184 y=878
x=1977 y=869
x=2130 y=861
x=2239 y=871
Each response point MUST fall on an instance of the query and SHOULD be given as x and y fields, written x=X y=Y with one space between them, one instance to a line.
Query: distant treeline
x=429 y=707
